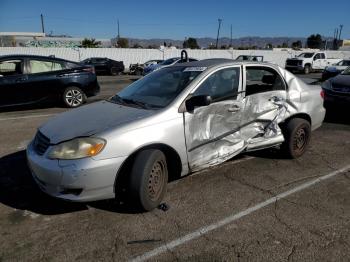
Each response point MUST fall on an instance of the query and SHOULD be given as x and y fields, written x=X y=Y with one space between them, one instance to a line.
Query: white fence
x=131 y=56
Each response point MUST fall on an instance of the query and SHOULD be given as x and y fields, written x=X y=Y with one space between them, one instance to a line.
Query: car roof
x=221 y=61
x=18 y=56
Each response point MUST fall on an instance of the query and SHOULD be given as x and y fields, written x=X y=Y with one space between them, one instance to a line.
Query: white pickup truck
x=310 y=61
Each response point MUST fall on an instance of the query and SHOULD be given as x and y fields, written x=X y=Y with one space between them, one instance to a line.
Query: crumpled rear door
x=264 y=107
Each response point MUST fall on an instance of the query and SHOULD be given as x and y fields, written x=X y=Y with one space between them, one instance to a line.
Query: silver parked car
x=175 y=121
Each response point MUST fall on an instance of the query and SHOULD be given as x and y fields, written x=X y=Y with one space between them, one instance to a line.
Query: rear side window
x=11 y=67
x=317 y=56
x=38 y=66
x=262 y=79
x=323 y=56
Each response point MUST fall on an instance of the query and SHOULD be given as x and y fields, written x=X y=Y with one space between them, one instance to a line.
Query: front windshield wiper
x=128 y=101
x=134 y=102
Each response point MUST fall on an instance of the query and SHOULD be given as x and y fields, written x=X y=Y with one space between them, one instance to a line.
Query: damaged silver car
x=175 y=121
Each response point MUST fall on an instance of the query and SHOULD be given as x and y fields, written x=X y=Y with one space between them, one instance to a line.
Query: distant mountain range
x=259 y=42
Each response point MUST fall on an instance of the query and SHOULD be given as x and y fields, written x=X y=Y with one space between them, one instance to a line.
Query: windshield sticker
x=194 y=69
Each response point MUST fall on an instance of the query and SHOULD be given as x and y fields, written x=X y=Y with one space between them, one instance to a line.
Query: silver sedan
x=175 y=121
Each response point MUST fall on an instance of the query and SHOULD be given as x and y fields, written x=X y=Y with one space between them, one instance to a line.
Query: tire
x=297 y=134
x=73 y=97
x=114 y=71
x=148 y=179
x=307 y=69
x=138 y=72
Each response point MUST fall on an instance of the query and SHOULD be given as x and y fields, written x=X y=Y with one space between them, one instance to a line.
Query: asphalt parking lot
x=256 y=207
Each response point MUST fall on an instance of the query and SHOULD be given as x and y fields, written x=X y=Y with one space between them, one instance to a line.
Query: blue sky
x=176 y=19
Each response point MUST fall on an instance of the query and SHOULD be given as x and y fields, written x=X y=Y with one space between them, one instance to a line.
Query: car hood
x=89 y=120
x=341 y=80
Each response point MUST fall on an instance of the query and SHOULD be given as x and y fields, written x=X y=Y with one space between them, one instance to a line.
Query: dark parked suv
x=104 y=65
x=26 y=79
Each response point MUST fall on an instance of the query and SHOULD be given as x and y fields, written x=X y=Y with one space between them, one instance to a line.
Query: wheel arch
x=304 y=116
x=174 y=166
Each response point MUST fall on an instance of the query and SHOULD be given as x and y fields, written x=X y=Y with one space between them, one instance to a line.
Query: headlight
x=327 y=84
x=77 y=148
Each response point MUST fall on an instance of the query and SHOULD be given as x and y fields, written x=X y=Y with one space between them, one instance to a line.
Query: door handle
x=275 y=99
x=234 y=108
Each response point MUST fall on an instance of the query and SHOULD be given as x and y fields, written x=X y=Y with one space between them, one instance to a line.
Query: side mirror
x=197 y=101
x=315 y=58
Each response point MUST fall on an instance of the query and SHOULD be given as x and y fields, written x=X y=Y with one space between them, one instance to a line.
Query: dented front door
x=213 y=132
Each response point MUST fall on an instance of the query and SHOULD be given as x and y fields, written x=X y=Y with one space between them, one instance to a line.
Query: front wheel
x=307 y=69
x=297 y=135
x=148 y=179
x=73 y=97
x=114 y=71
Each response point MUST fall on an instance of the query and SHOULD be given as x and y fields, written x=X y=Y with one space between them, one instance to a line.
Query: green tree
x=269 y=46
x=123 y=42
x=136 y=45
x=90 y=43
x=297 y=44
x=314 y=41
x=284 y=45
x=190 y=43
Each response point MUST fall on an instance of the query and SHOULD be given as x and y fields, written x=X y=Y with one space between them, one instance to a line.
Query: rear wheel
x=114 y=71
x=297 y=134
x=73 y=97
x=148 y=179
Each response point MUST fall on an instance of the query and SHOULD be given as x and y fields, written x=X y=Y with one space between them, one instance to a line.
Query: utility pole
x=118 y=30
x=341 y=28
x=217 y=37
x=42 y=23
x=231 y=37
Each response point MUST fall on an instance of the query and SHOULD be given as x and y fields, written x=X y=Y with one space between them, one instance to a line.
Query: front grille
x=41 y=143
x=292 y=62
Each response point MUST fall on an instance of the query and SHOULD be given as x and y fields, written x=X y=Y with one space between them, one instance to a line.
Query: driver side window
x=221 y=85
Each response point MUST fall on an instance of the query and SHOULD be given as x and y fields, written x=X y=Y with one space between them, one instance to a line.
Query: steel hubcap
x=156 y=180
x=74 y=97
x=300 y=139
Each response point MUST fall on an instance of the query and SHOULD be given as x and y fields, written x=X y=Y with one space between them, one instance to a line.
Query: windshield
x=306 y=55
x=169 y=61
x=158 y=89
x=346 y=71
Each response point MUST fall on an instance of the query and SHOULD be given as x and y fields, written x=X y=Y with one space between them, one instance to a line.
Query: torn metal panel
x=263 y=112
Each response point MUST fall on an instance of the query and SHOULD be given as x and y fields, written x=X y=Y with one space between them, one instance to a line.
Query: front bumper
x=79 y=180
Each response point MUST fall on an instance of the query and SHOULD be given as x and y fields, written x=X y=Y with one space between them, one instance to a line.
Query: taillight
x=90 y=69
x=322 y=94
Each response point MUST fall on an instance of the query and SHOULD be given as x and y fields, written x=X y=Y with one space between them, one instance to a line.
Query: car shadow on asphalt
x=18 y=190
